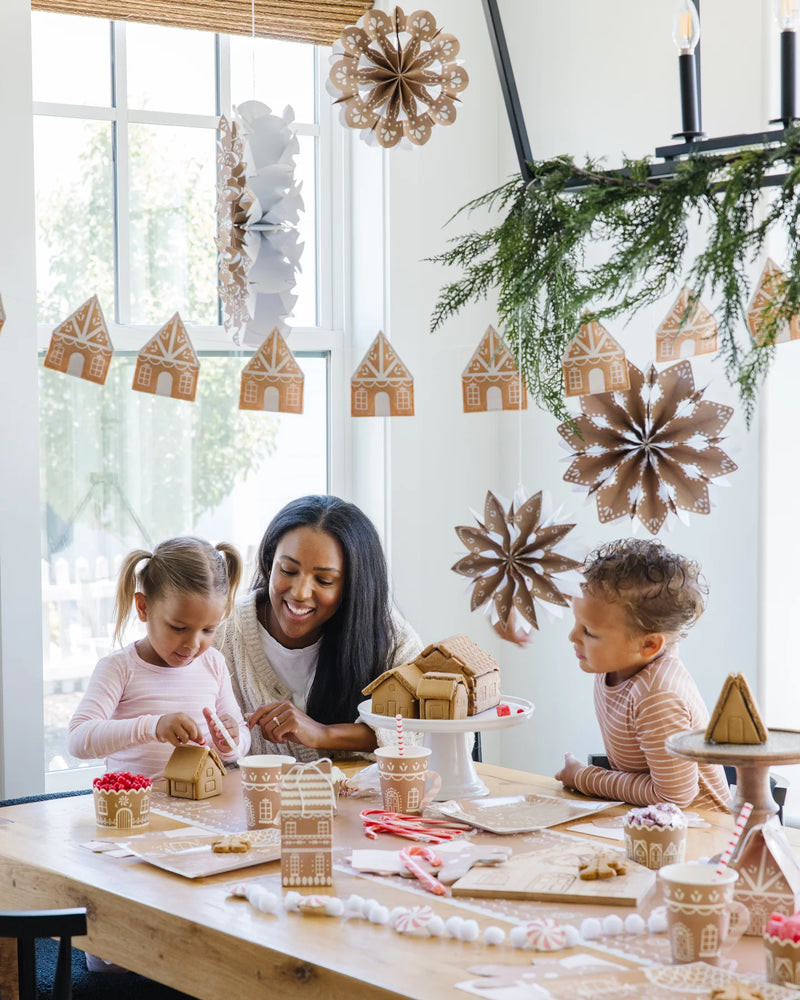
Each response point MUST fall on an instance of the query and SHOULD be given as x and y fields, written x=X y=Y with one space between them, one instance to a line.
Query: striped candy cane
x=741 y=822
x=399 y=721
x=407 y=861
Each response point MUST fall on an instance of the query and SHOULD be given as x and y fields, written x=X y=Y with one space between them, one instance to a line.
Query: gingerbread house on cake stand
x=272 y=380
x=767 y=295
x=676 y=338
x=594 y=362
x=81 y=346
x=382 y=385
x=491 y=380
x=167 y=365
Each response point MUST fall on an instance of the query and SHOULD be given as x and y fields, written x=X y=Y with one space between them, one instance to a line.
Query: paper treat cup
x=782 y=957
x=123 y=810
x=403 y=778
x=261 y=787
x=655 y=846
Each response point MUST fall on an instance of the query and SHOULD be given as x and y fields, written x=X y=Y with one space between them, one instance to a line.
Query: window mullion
x=121 y=141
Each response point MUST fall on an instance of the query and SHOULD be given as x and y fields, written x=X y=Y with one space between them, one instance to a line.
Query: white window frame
x=333 y=299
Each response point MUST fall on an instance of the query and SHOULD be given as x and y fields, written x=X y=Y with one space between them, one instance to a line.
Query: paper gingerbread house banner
x=698 y=335
x=167 y=365
x=81 y=346
x=766 y=297
x=272 y=379
x=491 y=380
x=382 y=385
x=594 y=362
x=307 y=807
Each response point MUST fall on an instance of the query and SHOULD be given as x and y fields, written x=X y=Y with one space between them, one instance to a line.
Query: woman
x=315 y=629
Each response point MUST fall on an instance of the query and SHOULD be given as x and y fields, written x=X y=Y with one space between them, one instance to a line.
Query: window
x=125 y=163
x=473 y=394
x=575 y=379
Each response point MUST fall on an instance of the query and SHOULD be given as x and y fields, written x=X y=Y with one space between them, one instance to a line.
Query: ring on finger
x=276 y=720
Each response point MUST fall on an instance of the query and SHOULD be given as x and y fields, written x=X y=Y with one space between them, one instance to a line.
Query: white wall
x=597 y=79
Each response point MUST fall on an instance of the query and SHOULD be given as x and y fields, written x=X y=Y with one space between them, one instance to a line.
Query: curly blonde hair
x=660 y=590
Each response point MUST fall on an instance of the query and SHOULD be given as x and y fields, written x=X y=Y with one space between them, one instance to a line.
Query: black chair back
x=28 y=925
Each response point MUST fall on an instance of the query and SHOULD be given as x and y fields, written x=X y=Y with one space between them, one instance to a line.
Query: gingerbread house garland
x=194 y=772
x=697 y=335
x=491 y=380
x=167 y=365
x=81 y=346
x=307 y=807
x=768 y=290
x=594 y=362
x=382 y=386
x=272 y=379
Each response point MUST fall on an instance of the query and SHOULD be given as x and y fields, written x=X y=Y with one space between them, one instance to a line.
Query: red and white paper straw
x=741 y=822
x=400 y=747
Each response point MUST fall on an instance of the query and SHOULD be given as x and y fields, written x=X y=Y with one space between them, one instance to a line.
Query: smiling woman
x=315 y=629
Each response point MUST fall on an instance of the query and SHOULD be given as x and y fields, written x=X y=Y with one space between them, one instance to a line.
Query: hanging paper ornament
x=513 y=560
x=382 y=386
x=593 y=362
x=491 y=380
x=698 y=335
x=81 y=345
x=167 y=365
x=650 y=451
x=258 y=207
x=272 y=379
x=395 y=76
x=766 y=300
x=2 y=313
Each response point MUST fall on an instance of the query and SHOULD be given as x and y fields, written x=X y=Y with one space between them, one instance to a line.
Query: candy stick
x=399 y=720
x=226 y=735
x=416 y=869
x=741 y=822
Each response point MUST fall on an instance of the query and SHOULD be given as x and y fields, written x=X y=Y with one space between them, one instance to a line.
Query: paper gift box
x=307 y=807
x=769 y=875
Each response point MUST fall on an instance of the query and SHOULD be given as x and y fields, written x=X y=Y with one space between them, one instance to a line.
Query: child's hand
x=569 y=771
x=216 y=734
x=178 y=729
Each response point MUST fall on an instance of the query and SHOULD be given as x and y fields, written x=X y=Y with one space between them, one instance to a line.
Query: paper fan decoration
x=593 y=362
x=272 y=379
x=167 y=365
x=258 y=208
x=698 y=335
x=395 y=76
x=513 y=561
x=81 y=345
x=650 y=451
x=382 y=386
x=767 y=297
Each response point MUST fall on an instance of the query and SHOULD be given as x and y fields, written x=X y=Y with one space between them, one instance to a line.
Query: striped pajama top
x=635 y=718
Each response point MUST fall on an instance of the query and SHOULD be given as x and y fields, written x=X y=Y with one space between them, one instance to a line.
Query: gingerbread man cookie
x=737 y=991
x=601 y=865
x=232 y=844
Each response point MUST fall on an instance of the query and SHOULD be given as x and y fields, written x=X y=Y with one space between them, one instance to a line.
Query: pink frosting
x=785 y=928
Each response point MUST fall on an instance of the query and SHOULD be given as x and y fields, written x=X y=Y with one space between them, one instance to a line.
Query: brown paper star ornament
x=650 y=451
x=512 y=559
x=395 y=76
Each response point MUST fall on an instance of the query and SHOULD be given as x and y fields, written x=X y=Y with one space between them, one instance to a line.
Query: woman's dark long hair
x=358 y=639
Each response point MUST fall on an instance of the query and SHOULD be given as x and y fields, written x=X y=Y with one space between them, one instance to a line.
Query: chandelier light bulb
x=787 y=14
x=686 y=28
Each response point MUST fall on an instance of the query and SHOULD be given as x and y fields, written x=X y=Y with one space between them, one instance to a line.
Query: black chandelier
x=686 y=35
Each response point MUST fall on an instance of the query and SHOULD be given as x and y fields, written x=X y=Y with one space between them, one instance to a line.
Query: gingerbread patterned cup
x=655 y=835
x=404 y=777
x=783 y=960
x=702 y=915
x=261 y=786
x=128 y=809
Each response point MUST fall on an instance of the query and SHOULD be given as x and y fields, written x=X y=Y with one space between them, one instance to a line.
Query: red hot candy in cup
x=785 y=928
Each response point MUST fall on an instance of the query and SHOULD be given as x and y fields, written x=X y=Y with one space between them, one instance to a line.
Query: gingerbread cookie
x=737 y=991
x=602 y=866
x=232 y=844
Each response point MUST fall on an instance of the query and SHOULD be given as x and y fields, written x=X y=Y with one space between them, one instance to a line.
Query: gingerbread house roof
x=593 y=345
x=86 y=328
x=381 y=367
x=700 y=327
x=736 y=714
x=273 y=362
x=187 y=762
x=408 y=675
x=492 y=360
x=467 y=655
x=171 y=348
x=437 y=684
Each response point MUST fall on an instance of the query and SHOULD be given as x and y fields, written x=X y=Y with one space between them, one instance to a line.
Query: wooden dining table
x=192 y=934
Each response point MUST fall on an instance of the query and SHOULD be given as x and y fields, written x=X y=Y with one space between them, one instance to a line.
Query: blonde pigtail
x=126 y=588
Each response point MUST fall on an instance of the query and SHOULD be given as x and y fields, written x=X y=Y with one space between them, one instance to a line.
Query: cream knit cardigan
x=256 y=683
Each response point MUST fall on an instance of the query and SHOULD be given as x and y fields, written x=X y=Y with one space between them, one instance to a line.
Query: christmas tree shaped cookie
x=735 y=718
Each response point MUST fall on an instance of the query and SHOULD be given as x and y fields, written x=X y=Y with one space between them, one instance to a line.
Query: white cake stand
x=450 y=755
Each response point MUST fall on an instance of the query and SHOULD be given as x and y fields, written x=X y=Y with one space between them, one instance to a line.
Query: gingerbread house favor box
x=167 y=365
x=272 y=379
x=81 y=345
x=491 y=380
x=382 y=385
x=307 y=808
x=769 y=875
x=767 y=295
x=594 y=362
x=698 y=335
x=194 y=772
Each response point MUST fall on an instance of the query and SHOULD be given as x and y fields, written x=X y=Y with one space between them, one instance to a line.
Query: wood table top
x=192 y=935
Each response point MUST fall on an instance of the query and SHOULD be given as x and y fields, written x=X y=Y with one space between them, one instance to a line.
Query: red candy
x=783 y=927
x=121 y=781
x=503 y=710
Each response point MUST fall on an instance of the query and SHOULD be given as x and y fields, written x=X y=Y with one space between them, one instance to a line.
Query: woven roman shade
x=317 y=21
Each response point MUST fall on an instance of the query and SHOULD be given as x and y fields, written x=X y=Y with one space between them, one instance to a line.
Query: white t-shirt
x=295 y=667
